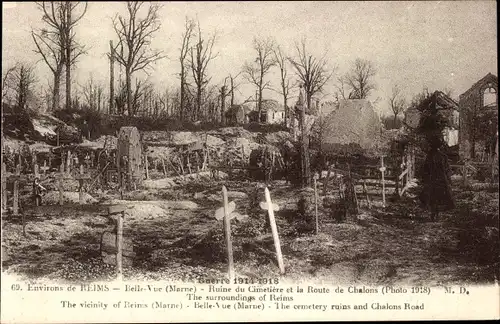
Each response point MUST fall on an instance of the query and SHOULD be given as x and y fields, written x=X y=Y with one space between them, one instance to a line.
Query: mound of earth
x=52 y=198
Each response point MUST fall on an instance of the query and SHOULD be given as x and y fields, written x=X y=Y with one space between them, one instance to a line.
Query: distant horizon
x=410 y=44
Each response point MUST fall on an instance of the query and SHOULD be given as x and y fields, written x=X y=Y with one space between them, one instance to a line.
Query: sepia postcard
x=249 y=161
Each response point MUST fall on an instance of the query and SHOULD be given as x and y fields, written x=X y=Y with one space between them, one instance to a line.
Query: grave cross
x=270 y=207
x=61 y=176
x=118 y=210
x=81 y=178
x=87 y=161
x=44 y=168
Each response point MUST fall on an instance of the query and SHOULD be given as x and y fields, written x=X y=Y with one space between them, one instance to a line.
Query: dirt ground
x=176 y=237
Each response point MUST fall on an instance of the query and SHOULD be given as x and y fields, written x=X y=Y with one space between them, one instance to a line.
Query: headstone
x=129 y=146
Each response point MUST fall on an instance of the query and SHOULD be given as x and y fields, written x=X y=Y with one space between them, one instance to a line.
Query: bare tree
x=72 y=49
x=57 y=43
x=285 y=80
x=23 y=80
x=234 y=86
x=7 y=79
x=93 y=94
x=341 y=85
x=360 y=79
x=397 y=102
x=49 y=45
x=183 y=57
x=256 y=71
x=134 y=40
x=313 y=73
x=201 y=55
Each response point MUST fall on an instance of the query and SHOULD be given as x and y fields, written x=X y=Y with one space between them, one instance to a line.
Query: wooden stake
x=4 y=187
x=68 y=163
x=274 y=230
x=382 y=169
x=60 y=182
x=227 y=231
x=146 y=165
x=316 y=202
x=365 y=190
x=16 y=189
x=163 y=165
x=326 y=181
x=119 y=245
x=464 y=174
x=80 y=183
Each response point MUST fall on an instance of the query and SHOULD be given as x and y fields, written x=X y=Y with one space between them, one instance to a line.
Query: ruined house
x=479 y=119
x=272 y=113
x=237 y=115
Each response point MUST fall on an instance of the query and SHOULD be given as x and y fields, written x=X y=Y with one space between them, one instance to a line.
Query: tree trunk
x=286 y=110
x=222 y=105
x=111 y=77
x=183 y=90
x=259 y=105
x=306 y=179
x=68 y=56
x=129 y=92
x=232 y=92
x=198 y=104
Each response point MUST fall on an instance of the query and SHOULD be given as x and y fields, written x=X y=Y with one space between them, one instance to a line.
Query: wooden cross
x=87 y=161
x=270 y=207
x=61 y=176
x=45 y=168
x=81 y=178
x=118 y=210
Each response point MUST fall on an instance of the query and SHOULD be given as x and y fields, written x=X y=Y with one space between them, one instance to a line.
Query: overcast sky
x=437 y=44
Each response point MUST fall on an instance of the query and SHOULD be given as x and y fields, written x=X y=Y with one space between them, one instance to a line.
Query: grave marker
x=270 y=209
x=45 y=168
x=81 y=178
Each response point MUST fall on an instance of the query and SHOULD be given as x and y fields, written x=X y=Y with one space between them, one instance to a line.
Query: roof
x=479 y=84
x=353 y=126
x=328 y=107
